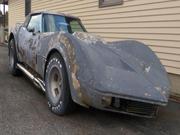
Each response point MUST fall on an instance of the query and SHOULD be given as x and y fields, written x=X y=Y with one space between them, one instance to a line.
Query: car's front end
x=125 y=77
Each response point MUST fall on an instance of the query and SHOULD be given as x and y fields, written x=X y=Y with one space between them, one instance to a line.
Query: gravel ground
x=24 y=111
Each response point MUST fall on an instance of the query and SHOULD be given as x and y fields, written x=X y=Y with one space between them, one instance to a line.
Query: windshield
x=54 y=23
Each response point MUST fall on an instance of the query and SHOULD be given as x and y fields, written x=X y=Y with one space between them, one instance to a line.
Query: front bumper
x=130 y=107
x=121 y=103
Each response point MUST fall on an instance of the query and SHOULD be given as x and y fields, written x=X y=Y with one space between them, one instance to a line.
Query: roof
x=54 y=13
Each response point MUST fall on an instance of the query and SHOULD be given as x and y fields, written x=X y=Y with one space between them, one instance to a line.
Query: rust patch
x=73 y=66
x=71 y=57
x=88 y=38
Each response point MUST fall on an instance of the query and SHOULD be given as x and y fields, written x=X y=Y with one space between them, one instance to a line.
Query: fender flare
x=12 y=36
x=61 y=49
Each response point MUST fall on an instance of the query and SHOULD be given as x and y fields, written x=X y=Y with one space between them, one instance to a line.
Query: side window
x=55 y=23
x=75 y=26
x=35 y=22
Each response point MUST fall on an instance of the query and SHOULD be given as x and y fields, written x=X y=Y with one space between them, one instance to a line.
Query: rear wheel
x=13 y=59
x=57 y=88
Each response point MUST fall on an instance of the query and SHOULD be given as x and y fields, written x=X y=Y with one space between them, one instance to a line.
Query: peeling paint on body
x=100 y=71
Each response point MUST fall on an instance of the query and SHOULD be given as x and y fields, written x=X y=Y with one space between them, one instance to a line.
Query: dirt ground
x=24 y=111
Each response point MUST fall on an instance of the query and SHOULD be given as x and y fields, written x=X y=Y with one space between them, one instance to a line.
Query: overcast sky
x=1 y=8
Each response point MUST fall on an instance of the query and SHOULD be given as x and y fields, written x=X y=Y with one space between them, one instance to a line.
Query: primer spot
x=147 y=94
x=158 y=88
x=147 y=69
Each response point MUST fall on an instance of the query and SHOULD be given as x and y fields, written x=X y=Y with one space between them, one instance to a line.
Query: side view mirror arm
x=32 y=30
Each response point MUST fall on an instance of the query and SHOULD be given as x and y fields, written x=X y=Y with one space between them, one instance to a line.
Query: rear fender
x=14 y=35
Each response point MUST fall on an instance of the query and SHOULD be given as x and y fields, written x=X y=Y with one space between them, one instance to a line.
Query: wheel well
x=66 y=68
x=48 y=57
x=11 y=37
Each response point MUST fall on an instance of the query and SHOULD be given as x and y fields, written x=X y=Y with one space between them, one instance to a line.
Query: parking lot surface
x=24 y=111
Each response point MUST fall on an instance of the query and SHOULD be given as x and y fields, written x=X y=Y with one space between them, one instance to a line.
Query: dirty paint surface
x=127 y=68
x=98 y=70
x=23 y=111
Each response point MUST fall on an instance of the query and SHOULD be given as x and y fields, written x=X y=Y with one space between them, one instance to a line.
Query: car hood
x=127 y=68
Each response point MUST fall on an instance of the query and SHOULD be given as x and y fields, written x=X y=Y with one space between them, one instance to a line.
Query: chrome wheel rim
x=55 y=81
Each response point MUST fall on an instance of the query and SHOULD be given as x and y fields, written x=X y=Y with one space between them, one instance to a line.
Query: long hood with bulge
x=127 y=68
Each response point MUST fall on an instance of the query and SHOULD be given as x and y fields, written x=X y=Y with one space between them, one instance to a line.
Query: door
x=29 y=37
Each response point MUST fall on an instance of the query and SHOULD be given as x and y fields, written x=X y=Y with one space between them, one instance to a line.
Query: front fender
x=62 y=42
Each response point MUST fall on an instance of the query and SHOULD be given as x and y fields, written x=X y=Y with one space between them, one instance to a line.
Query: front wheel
x=57 y=88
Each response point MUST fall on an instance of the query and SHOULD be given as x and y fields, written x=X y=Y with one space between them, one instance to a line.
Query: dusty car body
x=124 y=76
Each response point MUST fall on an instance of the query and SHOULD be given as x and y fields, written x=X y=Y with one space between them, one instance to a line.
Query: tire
x=13 y=59
x=57 y=88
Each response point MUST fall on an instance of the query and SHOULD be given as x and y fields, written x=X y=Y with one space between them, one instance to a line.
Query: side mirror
x=31 y=30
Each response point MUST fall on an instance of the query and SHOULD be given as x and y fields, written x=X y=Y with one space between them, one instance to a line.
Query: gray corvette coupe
x=73 y=66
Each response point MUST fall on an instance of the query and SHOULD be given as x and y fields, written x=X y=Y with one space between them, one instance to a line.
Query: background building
x=154 y=22
x=3 y=21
